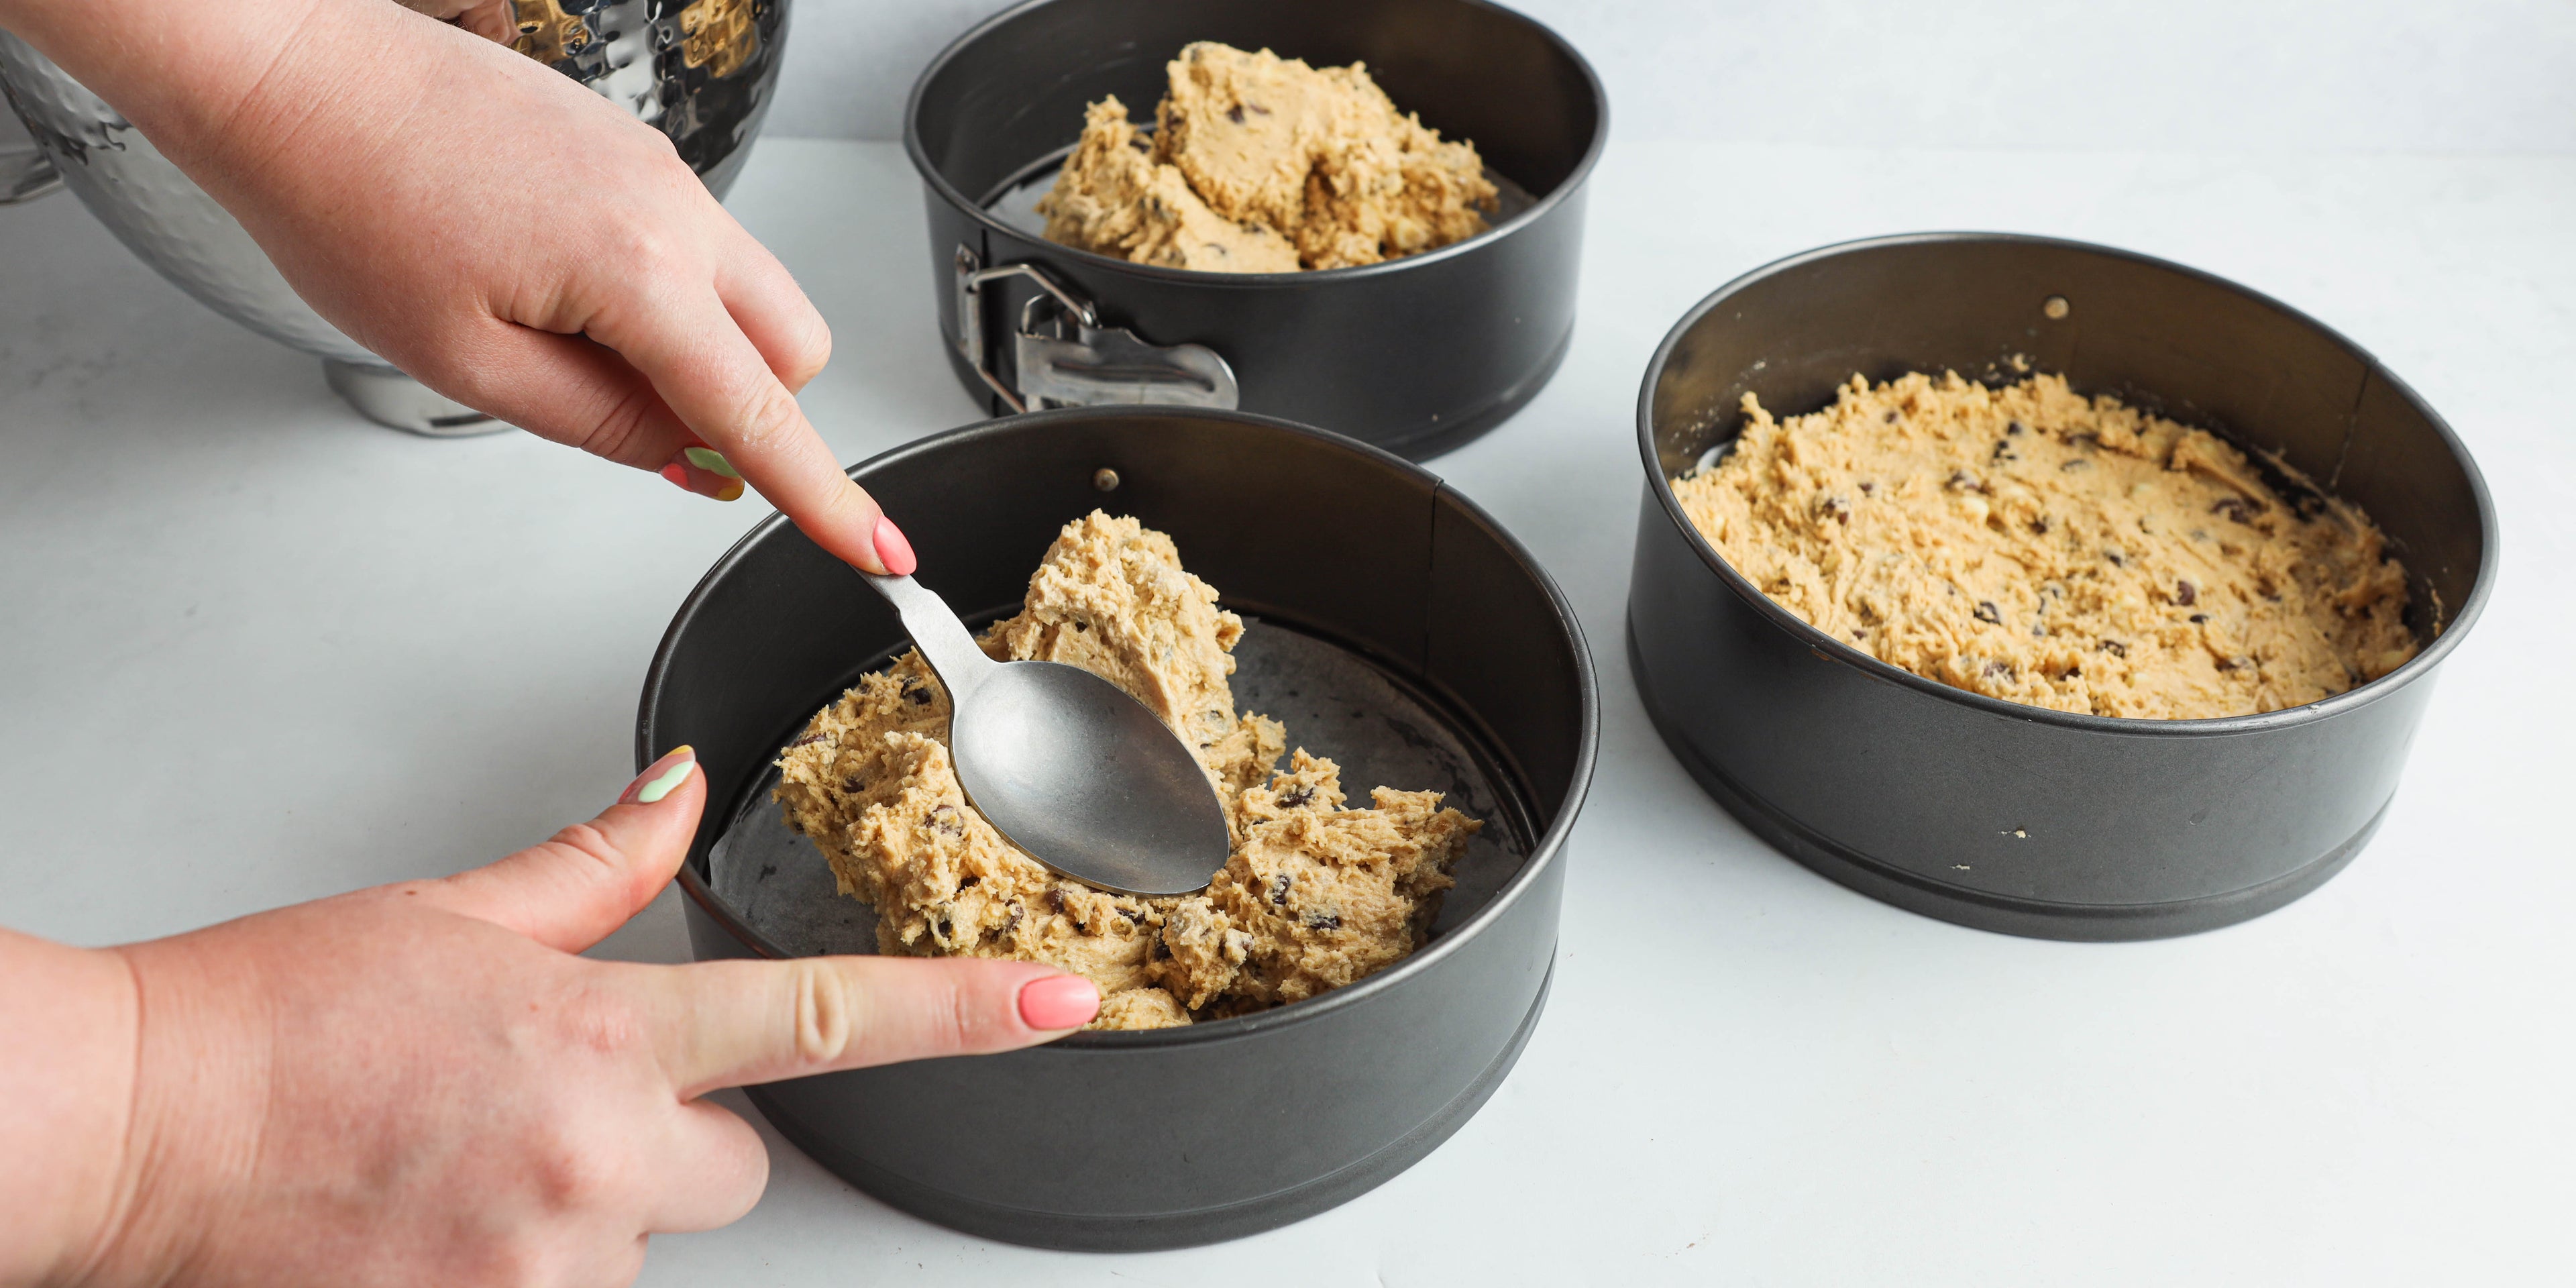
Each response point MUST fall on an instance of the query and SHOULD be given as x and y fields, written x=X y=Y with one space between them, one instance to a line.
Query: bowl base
x=1978 y=909
x=392 y=399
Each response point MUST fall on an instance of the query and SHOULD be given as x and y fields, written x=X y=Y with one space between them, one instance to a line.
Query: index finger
x=733 y=1023
x=717 y=382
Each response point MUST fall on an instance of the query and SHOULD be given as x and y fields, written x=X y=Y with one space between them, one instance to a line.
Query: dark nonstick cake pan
x=1985 y=812
x=1390 y=624
x=1416 y=355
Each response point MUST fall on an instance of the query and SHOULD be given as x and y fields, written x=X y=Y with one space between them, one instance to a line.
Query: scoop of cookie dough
x=2032 y=544
x=1314 y=895
x=1113 y=197
x=1260 y=164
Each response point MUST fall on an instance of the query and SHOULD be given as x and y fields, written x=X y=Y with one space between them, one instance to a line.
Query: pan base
x=1977 y=909
x=1087 y=1232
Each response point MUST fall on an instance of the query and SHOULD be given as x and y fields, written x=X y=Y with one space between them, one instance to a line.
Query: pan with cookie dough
x=2121 y=631
x=1387 y=190
x=1319 y=892
x=1386 y=623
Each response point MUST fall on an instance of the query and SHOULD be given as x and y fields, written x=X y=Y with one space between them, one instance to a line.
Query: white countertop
x=258 y=651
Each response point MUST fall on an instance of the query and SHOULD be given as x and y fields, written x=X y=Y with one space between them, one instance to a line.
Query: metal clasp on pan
x=1063 y=357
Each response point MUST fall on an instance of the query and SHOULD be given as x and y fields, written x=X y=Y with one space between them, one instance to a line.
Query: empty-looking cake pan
x=1986 y=812
x=1416 y=355
x=1390 y=624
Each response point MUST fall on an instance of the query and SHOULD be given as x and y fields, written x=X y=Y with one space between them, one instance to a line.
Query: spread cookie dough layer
x=2032 y=544
x=1259 y=164
x=1314 y=896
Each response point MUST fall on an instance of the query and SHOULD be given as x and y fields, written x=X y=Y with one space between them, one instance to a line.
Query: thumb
x=732 y=1023
x=571 y=891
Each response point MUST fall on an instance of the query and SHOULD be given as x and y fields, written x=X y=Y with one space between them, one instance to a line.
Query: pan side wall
x=1989 y=804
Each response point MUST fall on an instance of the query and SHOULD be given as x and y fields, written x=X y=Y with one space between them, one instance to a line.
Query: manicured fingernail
x=711 y=460
x=1059 y=1002
x=704 y=471
x=893 y=550
x=662 y=778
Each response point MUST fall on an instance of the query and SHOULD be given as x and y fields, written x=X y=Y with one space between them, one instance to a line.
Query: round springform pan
x=1387 y=617
x=1989 y=813
x=1417 y=355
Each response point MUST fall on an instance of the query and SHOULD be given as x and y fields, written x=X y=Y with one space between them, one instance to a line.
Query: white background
x=254 y=651
x=2496 y=76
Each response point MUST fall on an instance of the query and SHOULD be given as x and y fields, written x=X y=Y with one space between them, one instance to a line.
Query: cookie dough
x=2031 y=544
x=1259 y=164
x=1315 y=895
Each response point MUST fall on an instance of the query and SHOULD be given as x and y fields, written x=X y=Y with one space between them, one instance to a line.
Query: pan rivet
x=1105 y=479
x=2055 y=307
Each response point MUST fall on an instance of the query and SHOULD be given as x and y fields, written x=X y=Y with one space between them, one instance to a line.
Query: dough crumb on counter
x=2035 y=545
x=1262 y=164
x=1315 y=894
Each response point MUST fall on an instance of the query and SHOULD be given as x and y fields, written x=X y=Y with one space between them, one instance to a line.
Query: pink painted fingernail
x=662 y=778
x=1058 y=1002
x=893 y=550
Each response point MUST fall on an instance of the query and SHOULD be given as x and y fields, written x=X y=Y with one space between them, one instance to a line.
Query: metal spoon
x=1066 y=764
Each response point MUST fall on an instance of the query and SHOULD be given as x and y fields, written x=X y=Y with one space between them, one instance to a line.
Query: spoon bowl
x=1066 y=765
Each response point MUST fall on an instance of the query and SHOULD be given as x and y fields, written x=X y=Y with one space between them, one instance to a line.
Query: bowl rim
x=1545 y=848
x=1829 y=648
x=1538 y=209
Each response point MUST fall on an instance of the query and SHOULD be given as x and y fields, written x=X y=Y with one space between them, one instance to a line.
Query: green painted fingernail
x=661 y=787
x=712 y=461
x=646 y=791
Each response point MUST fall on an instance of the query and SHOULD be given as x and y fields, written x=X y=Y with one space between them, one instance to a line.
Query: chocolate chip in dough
x=1296 y=797
x=2115 y=648
x=2186 y=594
x=1987 y=612
x=1279 y=889
x=1235 y=113
x=1325 y=922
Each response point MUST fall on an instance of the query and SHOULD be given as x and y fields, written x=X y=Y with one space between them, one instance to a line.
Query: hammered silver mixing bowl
x=702 y=70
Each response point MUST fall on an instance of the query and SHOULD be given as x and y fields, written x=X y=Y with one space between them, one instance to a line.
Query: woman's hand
x=504 y=235
x=420 y=1083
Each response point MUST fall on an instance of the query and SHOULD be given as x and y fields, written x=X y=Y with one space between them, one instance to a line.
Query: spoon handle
x=943 y=640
